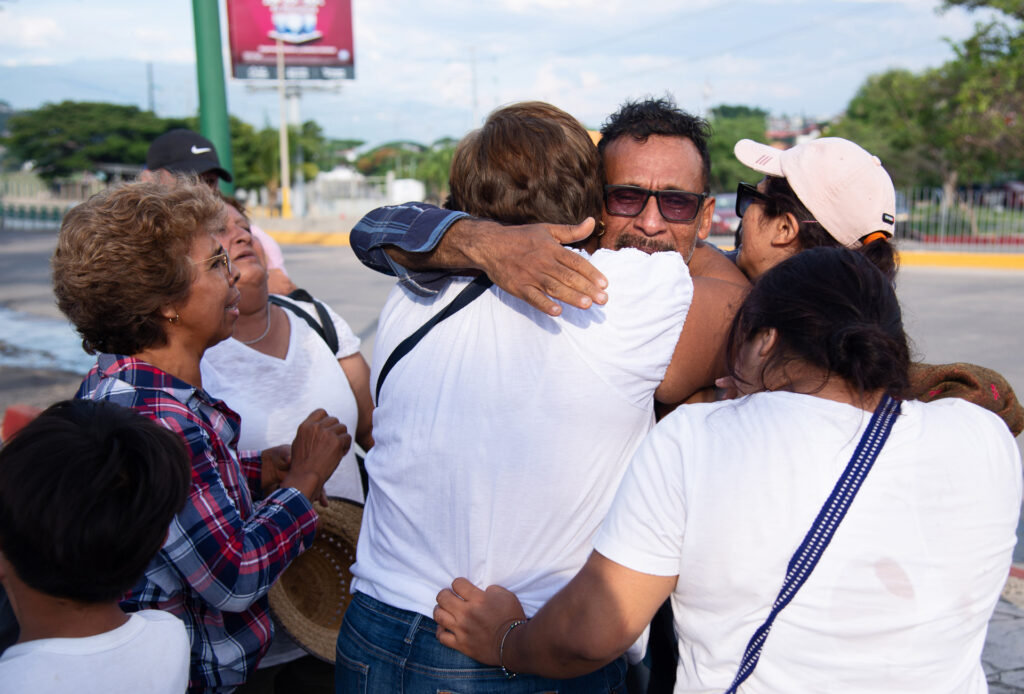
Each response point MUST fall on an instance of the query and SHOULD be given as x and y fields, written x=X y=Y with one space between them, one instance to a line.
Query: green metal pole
x=213 y=100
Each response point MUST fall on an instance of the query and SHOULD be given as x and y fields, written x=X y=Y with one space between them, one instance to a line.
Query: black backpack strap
x=470 y=292
x=325 y=328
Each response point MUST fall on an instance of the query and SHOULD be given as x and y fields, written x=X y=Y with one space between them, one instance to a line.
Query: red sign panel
x=315 y=35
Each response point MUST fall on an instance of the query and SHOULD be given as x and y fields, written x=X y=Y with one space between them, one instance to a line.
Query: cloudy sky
x=428 y=70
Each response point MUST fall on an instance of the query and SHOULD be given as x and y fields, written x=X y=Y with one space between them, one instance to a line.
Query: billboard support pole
x=286 y=206
x=213 y=101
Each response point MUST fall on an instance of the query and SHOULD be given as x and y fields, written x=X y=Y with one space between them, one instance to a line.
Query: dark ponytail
x=882 y=255
x=833 y=310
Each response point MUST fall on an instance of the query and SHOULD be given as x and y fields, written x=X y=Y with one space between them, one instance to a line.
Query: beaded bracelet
x=501 y=648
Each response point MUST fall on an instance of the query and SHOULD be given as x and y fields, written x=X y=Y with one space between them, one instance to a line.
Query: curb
x=988 y=261
x=1013 y=591
x=310 y=238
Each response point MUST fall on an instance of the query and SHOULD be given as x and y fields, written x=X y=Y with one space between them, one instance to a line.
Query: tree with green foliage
x=900 y=117
x=70 y=137
x=398 y=156
x=1013 y=8
x=334 y=152
x=957 y=124
x=731 y=124
x=431 y=165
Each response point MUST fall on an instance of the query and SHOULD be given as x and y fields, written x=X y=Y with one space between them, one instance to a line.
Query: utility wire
x=738 y=47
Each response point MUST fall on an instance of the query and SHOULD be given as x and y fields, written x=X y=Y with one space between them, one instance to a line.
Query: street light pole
x=286 y=205
x=213 y=101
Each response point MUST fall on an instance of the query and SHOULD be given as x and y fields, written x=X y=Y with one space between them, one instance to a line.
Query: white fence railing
x=985 y=219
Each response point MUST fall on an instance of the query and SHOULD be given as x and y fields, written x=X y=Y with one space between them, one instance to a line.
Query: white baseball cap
x=843 y=185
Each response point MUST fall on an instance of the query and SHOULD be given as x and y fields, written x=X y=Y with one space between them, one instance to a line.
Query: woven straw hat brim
x=310 y=597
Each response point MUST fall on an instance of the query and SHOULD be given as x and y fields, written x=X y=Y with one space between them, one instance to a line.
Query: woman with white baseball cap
x=826 y=192
x=833 y=192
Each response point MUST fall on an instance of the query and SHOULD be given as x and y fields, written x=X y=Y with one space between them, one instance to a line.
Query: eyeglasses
x=746 y=194
x=674 y=205
x=221 y=260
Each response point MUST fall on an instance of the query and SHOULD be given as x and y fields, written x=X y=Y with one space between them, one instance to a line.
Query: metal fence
x=983 y=219
x=32 y=217
x=28 y=203
x=991 y=219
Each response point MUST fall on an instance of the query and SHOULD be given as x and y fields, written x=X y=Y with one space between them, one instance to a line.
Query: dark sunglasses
x=674 y=205
x=746 y=194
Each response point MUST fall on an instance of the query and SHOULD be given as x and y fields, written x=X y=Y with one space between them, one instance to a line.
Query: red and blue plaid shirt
x=223 y=550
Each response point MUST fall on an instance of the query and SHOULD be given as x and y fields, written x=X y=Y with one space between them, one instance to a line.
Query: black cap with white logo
x=184 y=151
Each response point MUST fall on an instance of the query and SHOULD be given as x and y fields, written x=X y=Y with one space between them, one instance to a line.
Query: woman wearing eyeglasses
x=273 y=370
x=139 y=271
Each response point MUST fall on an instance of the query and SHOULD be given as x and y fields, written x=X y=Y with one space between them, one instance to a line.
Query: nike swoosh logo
x=199 y=150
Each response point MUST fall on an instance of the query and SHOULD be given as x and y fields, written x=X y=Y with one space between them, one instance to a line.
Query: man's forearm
x=463 y=245
x=527 y=261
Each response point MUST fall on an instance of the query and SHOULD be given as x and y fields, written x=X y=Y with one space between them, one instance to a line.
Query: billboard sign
x=315 y=35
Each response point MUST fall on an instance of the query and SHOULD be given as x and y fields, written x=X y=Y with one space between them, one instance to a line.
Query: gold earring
x=600 y=229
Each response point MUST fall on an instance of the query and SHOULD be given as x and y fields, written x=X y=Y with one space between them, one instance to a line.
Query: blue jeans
x=385 y=650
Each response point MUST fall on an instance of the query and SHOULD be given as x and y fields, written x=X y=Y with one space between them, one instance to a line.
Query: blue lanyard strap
x=824 y=527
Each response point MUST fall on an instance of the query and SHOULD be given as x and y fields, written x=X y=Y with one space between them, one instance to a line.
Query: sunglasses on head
x=746 y=194
x=674 y=205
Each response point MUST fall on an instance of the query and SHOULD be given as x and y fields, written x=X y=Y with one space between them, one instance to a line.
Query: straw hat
x=310 y=597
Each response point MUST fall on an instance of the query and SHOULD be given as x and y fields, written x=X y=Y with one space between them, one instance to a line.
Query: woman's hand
x=320 y=442
x=277 y=461
x=474 y=621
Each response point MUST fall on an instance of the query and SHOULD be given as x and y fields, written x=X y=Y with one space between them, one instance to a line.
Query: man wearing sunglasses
x=657 y=169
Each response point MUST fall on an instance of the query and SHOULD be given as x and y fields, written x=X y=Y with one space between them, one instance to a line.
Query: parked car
x=1014 y=194
x=725 y=221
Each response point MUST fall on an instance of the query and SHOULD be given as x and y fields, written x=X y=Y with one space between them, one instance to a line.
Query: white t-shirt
x=148 y=653
x=273 y=396
x=501 y=437
x=723 y=494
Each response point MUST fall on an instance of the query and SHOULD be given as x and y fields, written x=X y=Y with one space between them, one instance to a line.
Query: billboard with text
x=315 y=36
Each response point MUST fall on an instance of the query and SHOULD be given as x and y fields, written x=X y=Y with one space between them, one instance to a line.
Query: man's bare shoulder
x=708 y=261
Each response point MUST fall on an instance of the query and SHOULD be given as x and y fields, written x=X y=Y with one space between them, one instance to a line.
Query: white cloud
x=28 y=32
x=414 y=61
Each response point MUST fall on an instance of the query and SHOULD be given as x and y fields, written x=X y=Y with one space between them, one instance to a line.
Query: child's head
x=87 y=493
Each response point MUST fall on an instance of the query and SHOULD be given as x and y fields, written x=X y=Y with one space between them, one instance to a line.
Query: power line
x=738 y=47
